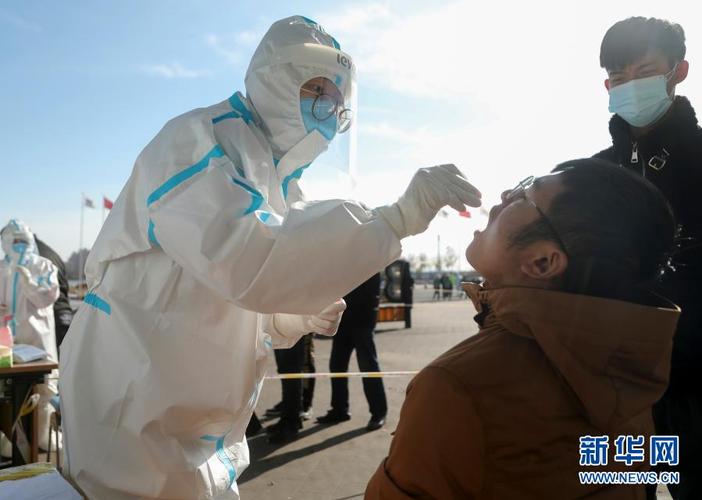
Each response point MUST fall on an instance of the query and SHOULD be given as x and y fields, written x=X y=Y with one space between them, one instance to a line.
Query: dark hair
x=632 y=38
x=617 y=228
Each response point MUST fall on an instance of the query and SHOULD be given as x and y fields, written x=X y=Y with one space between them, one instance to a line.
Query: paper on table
x=24 y=353
x=44 y=487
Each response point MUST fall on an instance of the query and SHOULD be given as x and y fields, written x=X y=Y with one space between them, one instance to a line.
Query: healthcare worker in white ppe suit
x=28 y=289
x=209 y=259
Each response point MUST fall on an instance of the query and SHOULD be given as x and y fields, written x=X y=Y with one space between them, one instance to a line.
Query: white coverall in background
x=205 y=247
x=28 y=289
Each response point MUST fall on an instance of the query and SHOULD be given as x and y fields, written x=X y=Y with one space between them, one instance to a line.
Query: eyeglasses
x=325 y=106
x=520 y=192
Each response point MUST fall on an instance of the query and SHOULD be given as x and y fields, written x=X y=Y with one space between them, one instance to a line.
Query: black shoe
x=275 y=411
x=283 y=431
x=333 y=417
x=375 y=423
x=254 y=428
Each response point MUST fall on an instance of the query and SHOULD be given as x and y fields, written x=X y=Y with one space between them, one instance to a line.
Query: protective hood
x=614 y=355
x=293 y=51
x=17 y=230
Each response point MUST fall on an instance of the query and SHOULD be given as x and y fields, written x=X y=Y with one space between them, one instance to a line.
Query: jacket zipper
x=636 y=159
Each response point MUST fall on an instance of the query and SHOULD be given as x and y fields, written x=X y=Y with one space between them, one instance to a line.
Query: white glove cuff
x=285 y=329
x=289 y=325
x=393 y=216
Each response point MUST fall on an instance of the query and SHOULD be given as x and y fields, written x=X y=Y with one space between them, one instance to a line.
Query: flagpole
x=103 y=209
x=80 y=245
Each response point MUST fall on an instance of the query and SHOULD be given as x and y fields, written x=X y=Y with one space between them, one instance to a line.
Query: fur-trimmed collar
x=679 y=125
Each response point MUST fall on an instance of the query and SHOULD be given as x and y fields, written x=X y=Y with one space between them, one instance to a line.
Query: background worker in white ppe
x=28 y=289
x=208 y=260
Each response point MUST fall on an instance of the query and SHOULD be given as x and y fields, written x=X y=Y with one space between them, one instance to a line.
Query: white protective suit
x=28 y=289
x=207 y=252
x=163 y=363
x=28 y=295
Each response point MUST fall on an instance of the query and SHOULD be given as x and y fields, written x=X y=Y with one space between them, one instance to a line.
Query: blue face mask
x=19 y=248
x=641 y=102
x=326 y=127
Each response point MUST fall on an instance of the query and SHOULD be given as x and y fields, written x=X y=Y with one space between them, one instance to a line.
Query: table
x=19 y=380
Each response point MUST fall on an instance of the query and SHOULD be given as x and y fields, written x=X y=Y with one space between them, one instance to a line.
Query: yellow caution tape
x=289 y=376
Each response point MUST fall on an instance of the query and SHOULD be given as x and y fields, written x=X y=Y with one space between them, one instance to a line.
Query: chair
x=54 y=428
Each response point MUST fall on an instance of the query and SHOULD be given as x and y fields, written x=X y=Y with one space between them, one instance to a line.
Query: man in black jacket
x=356 y=332
x=655 y=133
x=63 y=312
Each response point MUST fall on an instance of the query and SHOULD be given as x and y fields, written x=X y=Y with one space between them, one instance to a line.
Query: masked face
x=322 y=108
x=17 y=241
x=20 y=246
x=643 y=101
x=641 y=92
x=294 y=52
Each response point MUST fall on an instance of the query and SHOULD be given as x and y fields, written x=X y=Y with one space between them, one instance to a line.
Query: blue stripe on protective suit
x=316 y=25
x=238 y=105
x=15 y=279
x=267 y=218
x=98 y=303
x=231 y=114
x=222 y=456
x=45 y=279
x=184 y=175
x=295 y=175
x=256 y=197
x=239 y=110
x=152 y=234
x=13 y=321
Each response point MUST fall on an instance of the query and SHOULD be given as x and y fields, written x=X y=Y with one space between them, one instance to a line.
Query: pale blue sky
x=503 y=91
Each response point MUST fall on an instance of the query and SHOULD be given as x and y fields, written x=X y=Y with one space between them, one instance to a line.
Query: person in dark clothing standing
x=63 y=313
x=356 y=332
x=656 y=134
x=297 y=394
x=447 y=286
x=437 y=287
x=308 y=383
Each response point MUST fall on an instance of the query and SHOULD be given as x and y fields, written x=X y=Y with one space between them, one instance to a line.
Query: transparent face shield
x=333 y=174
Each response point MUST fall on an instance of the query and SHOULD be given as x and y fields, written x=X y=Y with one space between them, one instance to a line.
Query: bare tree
x=72 y=264
x=450 y=258
x=422 y=262
x=413 y=261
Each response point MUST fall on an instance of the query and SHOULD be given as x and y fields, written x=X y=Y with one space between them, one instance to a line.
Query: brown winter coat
x=499 y=416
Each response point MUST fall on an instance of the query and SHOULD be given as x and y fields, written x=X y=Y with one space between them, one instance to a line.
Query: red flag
x=107 y=203
x=464 y=213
